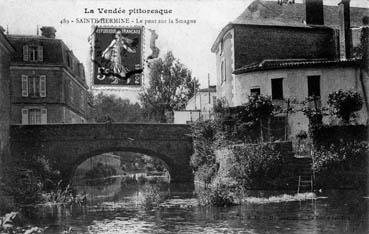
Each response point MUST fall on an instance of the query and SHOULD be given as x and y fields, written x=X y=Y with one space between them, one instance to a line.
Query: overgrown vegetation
x=244 y=123
x=220 y=196
x=235 y=125
x=28 y=177
x=151 y=196
x=344 y=104
x=257 y=166
x=344 y=165
x=313 y=110
x=340 y=153
x=203 y=160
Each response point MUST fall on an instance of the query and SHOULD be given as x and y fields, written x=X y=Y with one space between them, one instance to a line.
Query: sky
x=190 y=43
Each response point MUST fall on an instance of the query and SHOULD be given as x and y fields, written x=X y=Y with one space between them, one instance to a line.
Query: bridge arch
x=81 y=158
x=68 y=145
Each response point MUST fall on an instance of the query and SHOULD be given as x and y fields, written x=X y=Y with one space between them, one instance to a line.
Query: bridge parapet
x=94 y=131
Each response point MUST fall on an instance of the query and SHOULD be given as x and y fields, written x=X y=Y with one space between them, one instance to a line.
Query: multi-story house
x=289 y=52
x=47 y=81
x=5 y=51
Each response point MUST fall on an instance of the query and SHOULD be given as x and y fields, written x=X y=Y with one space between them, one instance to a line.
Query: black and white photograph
x=197 y=116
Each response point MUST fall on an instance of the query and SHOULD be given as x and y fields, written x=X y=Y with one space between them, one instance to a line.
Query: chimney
x=48 y=31
x=345 y=31
x=365 y=42
x=314 y=12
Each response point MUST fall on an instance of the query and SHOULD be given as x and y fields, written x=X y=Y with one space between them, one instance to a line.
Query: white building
x=200 y=106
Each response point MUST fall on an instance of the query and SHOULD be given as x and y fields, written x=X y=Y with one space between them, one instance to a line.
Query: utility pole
x=194 y=92
x=209 y=86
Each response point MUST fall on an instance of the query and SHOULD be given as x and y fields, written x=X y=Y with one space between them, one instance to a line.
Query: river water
x=121 y=208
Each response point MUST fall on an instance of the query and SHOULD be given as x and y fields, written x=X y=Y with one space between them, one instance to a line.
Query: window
x=223 y=72
x=24 y=86
x=33 y=86
x=314 y=86
x=43 y=86
x=32 y=53
x=34 y=115
x=277 y=89
x=255 y=91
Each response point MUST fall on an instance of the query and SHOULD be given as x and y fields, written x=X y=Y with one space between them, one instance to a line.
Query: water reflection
x=118 y=208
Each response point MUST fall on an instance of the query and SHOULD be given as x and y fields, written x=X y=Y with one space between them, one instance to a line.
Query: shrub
x=219 y=195
x=22 y=185
x=344 y=104
x=27 y=177
x=313 y=110
x=203 y=138
x=259 y=107
x=343 y=164
x=151 y=196
x=256 y=166
x=243 y=123
x=327 y=158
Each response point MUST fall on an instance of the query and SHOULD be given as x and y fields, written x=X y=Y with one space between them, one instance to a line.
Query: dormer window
x=33 y=53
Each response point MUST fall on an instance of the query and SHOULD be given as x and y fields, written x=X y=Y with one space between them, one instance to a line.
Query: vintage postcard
x=197 y=116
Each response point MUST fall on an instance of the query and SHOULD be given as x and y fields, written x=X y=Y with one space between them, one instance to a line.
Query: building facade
x=47 y=81
x=199 y=107
x=295 y=80
x=290 y=52
x=5 y=51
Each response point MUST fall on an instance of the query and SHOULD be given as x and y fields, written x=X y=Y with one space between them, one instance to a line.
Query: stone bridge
x=68 y=145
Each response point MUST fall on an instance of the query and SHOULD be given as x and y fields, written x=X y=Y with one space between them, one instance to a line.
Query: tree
x=171 y=86
x=109 y=108
x=345 y=103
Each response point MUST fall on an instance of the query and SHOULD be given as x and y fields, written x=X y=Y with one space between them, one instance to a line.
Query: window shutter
x=43 y=116
x=24 y=116
x=24 y=86
x=25 y=53
x=42 y=86
x=40 y=52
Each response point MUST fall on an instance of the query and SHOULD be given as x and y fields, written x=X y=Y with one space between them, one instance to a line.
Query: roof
x=272 y=64
x=53 y=54
x=32 y=37
x=270 y=13
x=4 y=41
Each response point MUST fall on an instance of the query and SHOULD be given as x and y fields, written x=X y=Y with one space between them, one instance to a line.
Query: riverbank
x=179 y=211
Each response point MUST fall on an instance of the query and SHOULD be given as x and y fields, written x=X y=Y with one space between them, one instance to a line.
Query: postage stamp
x=117 y=56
